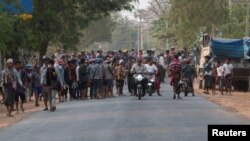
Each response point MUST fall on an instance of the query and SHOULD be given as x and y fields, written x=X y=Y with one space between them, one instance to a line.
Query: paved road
x=124 y=119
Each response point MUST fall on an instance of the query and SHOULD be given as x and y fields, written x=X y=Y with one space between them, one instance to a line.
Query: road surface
x=124 y=119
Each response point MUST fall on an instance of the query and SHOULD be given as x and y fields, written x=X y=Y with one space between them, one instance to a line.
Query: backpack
x=52 y=77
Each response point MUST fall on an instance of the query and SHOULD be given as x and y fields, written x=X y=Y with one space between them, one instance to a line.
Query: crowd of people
x=216 y=73
x=93 y=75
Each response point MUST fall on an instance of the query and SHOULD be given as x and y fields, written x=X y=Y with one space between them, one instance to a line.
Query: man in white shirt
x=161 y=61
x=227 y=74
x=151 y=68
x=219 y=70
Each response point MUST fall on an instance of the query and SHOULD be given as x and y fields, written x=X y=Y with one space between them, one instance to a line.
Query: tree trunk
x=43 y=50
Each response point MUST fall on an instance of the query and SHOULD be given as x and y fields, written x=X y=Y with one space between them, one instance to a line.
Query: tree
x=124 y=35
x=97 y=31
x=235 y=26
x=62 y=20
x=186 y=19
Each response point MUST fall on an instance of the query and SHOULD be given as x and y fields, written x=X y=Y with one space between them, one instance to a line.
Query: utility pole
x=141 y=33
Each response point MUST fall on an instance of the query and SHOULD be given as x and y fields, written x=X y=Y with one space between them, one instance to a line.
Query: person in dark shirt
x=70 y=79
x=84 y=73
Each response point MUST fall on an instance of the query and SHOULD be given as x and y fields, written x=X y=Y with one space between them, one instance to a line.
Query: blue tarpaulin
x=25 y=6
x=233 y=48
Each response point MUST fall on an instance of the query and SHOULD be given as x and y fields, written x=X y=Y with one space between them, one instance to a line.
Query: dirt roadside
x=6 y=121
x=238 y=102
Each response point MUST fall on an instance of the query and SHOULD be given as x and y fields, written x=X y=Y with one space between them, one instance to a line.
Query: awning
x=25 y=7
x=233 y=48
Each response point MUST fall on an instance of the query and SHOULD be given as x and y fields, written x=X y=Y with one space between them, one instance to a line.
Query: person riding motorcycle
x=139 y=67
x=152 y=70
x=188 y=72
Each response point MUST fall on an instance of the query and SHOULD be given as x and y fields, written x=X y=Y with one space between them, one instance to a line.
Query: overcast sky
x=142 y=5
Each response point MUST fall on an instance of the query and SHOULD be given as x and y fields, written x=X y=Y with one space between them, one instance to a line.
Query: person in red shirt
x=175 y=75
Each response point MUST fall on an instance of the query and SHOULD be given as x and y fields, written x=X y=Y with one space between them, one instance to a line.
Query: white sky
x=142 y=5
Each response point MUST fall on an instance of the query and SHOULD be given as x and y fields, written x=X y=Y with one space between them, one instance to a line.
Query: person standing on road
x=108 y=82
x=9 y=81
x=120 y=74
x=36 y=77
x=130 y=81
x=59 y=68
x=175 y=76
x=219 y=79
x=163 y=67
x=83 y=80
x=90 y=83
x=48 y=76
x=70 y=78
x=168 y=59
x=207 y=73
x=227 y=74
x=97 y=75
x=20 y=91
x=52 y=84
x=27 y=82
x=1 y=89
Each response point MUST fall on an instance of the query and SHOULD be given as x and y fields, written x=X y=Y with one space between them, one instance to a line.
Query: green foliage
x=235 y=26
x=6 y=30
x=62 y=20
x=186 y=19
x=97 y=31
x=54 y=22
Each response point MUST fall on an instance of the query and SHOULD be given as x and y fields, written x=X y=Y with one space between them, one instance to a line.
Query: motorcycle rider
x=188 y=72
x=152 y=70
x=139 y=67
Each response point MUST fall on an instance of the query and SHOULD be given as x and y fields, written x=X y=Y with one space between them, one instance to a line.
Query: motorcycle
x=139 y=77
x=151 y=84
x=185 y=86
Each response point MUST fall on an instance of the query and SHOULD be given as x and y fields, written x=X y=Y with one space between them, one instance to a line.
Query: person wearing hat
x=9 y=81
x=207 y=73
x=120 y=75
